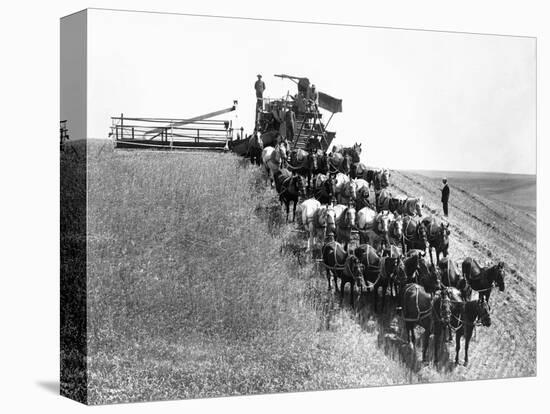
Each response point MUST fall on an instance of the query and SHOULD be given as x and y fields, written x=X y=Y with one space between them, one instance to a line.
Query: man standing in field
x=445 y=197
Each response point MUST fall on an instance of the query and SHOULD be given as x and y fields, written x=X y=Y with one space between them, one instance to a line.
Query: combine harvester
x=198 y=133
x=296 y=118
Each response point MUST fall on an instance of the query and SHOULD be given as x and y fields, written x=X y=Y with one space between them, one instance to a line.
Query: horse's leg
x=384 y=291
x=457 y=347
x=425 y=344
x=431 y=257
x=342 y=285
x=467 y=337
x=328 y=279
x=352 y=293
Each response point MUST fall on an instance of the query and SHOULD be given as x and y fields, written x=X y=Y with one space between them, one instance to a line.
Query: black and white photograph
x=255 y=206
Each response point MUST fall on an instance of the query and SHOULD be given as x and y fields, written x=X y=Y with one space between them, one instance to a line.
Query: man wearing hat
x=445 y=197
x=259 y=86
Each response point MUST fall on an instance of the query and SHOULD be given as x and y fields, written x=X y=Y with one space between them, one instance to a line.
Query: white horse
x=345 y=189
x=378 y=234
x=365 y=218
x=308 y=210
x=345 y=221
x=272 y=160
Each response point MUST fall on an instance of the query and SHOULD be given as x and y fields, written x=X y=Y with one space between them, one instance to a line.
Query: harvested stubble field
x=195 y=288
x=192 y=291
x=489 y=230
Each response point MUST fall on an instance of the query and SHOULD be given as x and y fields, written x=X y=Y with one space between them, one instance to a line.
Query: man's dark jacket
x=445 y=194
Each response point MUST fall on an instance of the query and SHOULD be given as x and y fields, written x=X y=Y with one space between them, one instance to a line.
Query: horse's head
x=383 y=222
x=499 y=275
x=444 y=233
x=357 y=269
x=445 y=307
x=400 y=275
x=483 y=311
x=396 y=228
x=300 y=186
x=346 y=163
x=350 y=215
x=385 y=178
x=390 y=265
x=418 y=207
x=351 y=189
x=330 y=217
x=314 y=160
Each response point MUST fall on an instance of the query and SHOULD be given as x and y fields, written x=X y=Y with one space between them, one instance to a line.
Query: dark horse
x=300 y=162
x=421 y=308
x=353 y=152
x=427 y=275
x=476 y=309
x=438 y=237
x=414 y=233
x=323 y=190
x=290 y=188
x=378 y=271
x=318 y=162
x=342 y=265
x=482 y=279
x=450 y=277
x=255 y=147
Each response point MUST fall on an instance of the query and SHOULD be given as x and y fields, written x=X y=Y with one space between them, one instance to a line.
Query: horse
x=273 y=159
x=359 y=170
x=438 y=236
x=473 y=310
x=345 y=190
x=410 y=206
x=344 y=266
x=323 y=188
x=345 y=222
x=378 y=272
x=377 y=236
x=270 y=138
x=339 y=163
x=383 y=198
x=414 y=233
x=449 y=274
x=300 y=163
x=290 y=188
x=255 y=148
x=395 y=232
x=482 y=279
x=381 y=179
x=366 y=218
x=318 y=162
x=363 y=194
x=427 y=275
x=309 y=209
x=448 y=307
x=353 y=152
x=418 y=309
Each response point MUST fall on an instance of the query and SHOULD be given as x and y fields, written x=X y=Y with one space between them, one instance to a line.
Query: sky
x=414 y=99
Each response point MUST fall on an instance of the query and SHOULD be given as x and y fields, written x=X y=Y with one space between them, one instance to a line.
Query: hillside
x=515 y=190
x=489 y=230
x=197 y=287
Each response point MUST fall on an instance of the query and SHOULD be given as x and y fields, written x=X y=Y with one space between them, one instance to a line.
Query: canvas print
x=258 y=206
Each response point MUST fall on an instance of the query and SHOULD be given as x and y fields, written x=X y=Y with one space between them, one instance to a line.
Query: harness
x=337 y=266
x=421 y=314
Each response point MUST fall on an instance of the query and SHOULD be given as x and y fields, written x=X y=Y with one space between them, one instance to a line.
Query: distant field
x=517 y=190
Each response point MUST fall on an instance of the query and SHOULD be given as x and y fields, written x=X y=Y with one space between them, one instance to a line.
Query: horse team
x=343 y=199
